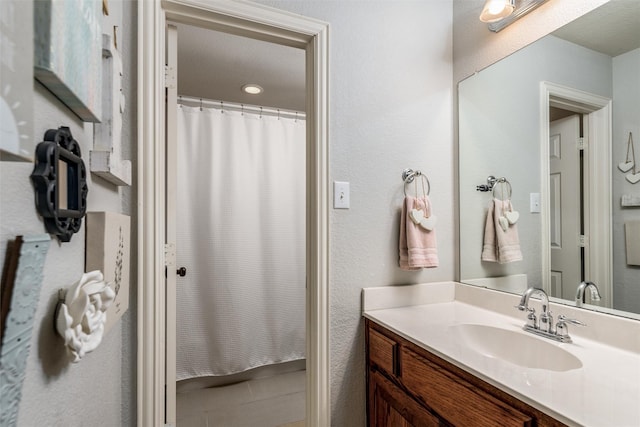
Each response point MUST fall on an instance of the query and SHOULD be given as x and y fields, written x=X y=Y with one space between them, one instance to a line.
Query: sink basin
x=519 y=348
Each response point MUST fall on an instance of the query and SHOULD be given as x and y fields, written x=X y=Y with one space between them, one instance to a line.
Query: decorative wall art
x=16 y=80
x=106 y=158
x=68 y=53
x=108 y=250
x=21 y=283
x=630 y=165
x=60 y=182
x=81 y=316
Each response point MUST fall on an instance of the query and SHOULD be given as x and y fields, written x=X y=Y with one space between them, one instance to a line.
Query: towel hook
x=491 y=181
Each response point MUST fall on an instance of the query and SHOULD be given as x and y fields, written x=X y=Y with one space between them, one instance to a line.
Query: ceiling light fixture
x=519 y=8
x=495 y=10
x=252 y=89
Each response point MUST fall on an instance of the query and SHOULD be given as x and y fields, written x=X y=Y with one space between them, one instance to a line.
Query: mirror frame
x=58 y=149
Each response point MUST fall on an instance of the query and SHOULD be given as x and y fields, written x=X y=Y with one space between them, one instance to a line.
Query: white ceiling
x=215 y=65
x=612 y=29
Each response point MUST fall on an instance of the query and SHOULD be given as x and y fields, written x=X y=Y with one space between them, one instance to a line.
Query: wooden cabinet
x=409 y=386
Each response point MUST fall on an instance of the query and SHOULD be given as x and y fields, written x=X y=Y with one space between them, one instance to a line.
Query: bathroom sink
x=516 y=347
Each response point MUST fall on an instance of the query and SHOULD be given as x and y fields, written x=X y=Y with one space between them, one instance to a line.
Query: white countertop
x=605 y=391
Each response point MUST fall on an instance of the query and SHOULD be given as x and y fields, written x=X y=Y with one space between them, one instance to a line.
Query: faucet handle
x=532 y=321
x=562 y=327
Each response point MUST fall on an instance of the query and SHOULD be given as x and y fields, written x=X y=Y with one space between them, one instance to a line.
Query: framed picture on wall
x=68 y=53
x=16 y=80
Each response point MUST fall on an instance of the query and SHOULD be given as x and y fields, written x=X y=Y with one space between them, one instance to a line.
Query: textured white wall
x=475 y=47
x=626 y=118
x=390 y=109
x=100 y=390
x=499 y=133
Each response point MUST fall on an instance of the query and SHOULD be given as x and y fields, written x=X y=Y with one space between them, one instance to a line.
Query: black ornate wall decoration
x=60 y=182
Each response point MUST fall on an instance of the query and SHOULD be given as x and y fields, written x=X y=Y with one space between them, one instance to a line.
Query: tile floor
x=277 y=401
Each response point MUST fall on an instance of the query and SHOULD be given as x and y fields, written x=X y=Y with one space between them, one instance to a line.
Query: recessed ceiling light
x=252 y=89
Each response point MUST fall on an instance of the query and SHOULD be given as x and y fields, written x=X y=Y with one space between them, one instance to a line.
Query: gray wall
x=100 y=389
x=390 y=109
x=626 y=118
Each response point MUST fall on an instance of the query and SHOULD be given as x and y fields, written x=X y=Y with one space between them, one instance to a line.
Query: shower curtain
x=241 y=237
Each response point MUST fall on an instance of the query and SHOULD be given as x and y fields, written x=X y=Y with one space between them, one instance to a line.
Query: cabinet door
x=456 y=400
x=391 y=407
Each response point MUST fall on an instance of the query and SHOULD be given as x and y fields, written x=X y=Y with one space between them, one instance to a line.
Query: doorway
x=156 y=253
x=587 y=231
x=240 y=230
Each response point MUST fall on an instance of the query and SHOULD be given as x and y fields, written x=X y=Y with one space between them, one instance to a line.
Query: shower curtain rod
x=233 y=106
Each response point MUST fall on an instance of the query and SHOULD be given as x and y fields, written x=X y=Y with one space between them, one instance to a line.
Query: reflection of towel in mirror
x=499 y=245
x=417 y=245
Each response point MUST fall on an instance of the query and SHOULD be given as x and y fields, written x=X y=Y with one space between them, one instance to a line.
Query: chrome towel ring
x=409 y=175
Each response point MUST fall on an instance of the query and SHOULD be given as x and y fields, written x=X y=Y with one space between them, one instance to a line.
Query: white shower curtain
x=241 y=237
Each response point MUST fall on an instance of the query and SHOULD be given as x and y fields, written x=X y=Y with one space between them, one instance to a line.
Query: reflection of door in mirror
x=565 y=205
x=577 y=141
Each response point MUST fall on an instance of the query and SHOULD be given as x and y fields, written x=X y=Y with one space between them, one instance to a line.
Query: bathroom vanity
x=410 y=386
x=443 y=354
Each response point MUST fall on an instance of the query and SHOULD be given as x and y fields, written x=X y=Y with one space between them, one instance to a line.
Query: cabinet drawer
x=383 y=351
x=454 y=399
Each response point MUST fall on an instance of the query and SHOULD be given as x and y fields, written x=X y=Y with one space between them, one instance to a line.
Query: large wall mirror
x=554 y=119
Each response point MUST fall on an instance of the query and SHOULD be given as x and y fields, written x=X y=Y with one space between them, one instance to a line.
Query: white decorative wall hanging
x=81 y=316
x=21 y=282
x=630 y=165
x=106 y=157
x=109 y=250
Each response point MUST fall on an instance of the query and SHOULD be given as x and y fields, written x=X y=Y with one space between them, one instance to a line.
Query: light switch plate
x=340 y=195
x=534 y=202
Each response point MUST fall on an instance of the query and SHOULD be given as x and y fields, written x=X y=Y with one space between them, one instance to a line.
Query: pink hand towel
x=417 y=245
x=499 y=245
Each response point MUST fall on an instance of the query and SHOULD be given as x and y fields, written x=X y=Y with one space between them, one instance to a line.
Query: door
x=391 y=407
x=565 y=206
x=171 y=73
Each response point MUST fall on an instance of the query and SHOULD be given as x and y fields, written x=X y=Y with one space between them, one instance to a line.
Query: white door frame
x=263 y=23
x=598 y=161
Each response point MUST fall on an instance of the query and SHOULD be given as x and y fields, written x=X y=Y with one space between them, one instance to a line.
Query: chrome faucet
x=544 y=326
x=581 y=294
x=545 y=322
